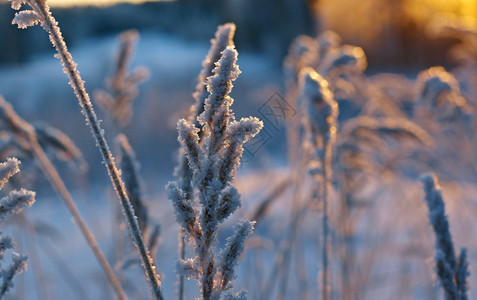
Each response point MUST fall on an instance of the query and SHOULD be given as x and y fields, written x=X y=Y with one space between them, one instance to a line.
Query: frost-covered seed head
x=238 y=133
x=303 y=52
x=437 y=217
x=213 y=152
x=452 y=272
x=229 y=202
x=185 y=213
x=321 y=108
x=346 y=59
x=233 y=249
x=216 y=112
x=188 y=268
x=241 y=295
x=189 y=139
x=462 y=274
x=27 y=18
x=438 y=92
x=446 y=275
x=328 y=40
x=8 y=169
x=123 y=85
x=434 y=82
x=17 y=266
x=6 y=242
x=223 y=39
x=245 y=129
x=14 y=203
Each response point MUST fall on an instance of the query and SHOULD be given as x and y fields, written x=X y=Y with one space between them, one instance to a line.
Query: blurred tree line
x=392 y=32
x=263 y=25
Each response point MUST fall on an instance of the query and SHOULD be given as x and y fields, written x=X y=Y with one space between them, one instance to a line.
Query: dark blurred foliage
x=263 y=25
x=391 y=38
x=393 y=33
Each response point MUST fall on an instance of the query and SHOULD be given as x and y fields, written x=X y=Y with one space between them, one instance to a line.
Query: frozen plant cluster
x=11 y=204
x=213 y=160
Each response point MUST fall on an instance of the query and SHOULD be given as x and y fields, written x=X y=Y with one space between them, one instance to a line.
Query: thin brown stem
x=326 y=160
x=58 y=184
x=50 y=25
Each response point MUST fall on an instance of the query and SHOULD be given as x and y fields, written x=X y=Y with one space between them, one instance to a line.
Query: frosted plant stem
x=187 y=188
x=327 y=173
x=321 y=119
x=213 y=164
x=50 y=25
x=452 y=270
x=182 y=252
x=347 y=233
x=326 y=247
x=223 y=38
x=57 y=183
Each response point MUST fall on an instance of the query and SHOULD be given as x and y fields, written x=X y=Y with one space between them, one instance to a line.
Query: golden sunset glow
x=364 y=22
x=424 y=9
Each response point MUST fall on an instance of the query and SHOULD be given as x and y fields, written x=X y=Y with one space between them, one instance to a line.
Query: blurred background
x=392 y=33
x=174 y=38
